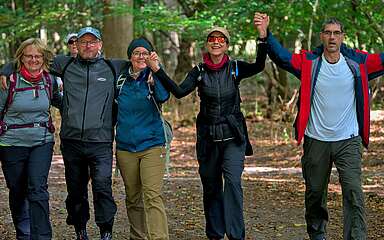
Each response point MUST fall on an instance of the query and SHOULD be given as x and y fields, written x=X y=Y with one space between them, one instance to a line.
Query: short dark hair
x=332 y=20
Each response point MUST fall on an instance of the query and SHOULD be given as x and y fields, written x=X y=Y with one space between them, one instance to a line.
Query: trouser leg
x=233 y=165
x=152 y=168
x=76 y=177
x=129 y=165
x=14 y=166
x=316 y=166
x=210 y=170
x=38 y=169
x=348 y=163
x=100 y=160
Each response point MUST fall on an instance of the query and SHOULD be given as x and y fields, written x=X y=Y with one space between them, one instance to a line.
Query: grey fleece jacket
x=88 y=98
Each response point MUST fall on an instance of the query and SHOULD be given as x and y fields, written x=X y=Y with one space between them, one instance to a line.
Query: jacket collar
x=318 y=51
x=97 y=58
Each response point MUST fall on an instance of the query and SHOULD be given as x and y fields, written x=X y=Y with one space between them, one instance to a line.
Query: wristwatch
x=261 y=40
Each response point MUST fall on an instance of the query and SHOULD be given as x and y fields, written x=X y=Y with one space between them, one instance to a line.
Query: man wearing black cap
x=87 y=133
x=70 y=40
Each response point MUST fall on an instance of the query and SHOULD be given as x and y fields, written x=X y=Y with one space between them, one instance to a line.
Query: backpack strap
x=151 y=93
x=48 y=90
x=109 y=63
x=201 y=69
x=11 y=92
x=66 y=66
x=234 y=69
x=48 y=84
x=119 y=84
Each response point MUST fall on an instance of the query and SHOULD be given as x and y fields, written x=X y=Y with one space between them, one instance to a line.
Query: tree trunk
x=184 y=65
x=314 y=10
x=117 y=31
x=184 y=60
x=171 y=45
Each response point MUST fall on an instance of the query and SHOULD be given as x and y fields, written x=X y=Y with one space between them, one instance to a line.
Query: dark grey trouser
x=317 y=165
x=84 y=161
x=26 y=174
x=223 y=207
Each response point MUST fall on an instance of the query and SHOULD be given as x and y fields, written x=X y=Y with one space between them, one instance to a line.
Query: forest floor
x=273 y=190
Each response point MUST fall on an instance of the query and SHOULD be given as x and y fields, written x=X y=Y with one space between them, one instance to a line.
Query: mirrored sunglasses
x=219 y=39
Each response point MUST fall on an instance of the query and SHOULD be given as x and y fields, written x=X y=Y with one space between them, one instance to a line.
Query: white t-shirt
x=333 y=114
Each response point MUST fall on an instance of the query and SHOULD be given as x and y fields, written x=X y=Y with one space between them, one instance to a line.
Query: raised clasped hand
x=261 y=23
x=153 y=61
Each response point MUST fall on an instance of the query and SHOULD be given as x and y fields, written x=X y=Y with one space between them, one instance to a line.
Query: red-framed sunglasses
x=219 y=39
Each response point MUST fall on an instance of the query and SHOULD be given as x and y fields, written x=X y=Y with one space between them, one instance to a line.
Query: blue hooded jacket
x=139 y=126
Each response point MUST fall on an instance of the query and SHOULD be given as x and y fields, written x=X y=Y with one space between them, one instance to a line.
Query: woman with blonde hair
x=26 y=138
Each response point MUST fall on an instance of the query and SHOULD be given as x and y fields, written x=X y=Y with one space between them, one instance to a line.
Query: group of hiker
x=104 y=100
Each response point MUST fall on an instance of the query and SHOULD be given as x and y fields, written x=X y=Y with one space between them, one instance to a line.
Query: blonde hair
x=40 y=46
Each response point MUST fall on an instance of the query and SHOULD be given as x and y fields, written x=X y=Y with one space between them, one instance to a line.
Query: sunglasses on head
x=219 y=39
x=72 y=41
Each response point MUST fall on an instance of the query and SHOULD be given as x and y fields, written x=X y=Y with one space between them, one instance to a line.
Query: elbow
x=164 y=98
x=178 y=95
x=262 y=67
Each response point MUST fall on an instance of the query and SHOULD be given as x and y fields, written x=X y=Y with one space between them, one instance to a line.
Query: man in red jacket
x=333 y=119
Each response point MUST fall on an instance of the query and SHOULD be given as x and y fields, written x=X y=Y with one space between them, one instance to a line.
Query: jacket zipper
x=85 y=102
x=105 y=103
x=218 y=92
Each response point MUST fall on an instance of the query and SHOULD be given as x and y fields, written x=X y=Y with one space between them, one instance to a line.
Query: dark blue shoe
x=106 y=236
x=82 y=234
x=320 y=238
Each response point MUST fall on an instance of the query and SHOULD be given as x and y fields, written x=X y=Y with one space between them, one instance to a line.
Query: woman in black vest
x=221 y=131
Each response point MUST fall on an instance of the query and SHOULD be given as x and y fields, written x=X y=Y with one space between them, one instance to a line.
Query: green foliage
x=363 y=19
x=27 y=18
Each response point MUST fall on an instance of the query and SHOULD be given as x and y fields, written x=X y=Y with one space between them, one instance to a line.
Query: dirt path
x=273 y=195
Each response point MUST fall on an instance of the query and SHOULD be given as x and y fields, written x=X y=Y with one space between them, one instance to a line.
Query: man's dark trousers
x=317 y=165
x=26 y=172
x=223 y=208
x=84 y=160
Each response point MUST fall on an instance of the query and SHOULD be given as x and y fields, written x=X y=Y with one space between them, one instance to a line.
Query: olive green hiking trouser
x=317 y=165
x=143 y=174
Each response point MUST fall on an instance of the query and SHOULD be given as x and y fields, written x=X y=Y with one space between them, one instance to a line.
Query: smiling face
x=32 y=59
x=138 y=57
x=88 y=46
x=217 y=44
x=332 y=37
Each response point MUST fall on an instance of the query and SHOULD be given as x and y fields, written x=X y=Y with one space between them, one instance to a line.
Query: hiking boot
x=82 y=234
x=320 y=238
x=106 y=236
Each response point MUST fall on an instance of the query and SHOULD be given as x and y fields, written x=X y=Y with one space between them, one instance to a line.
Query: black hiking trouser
x=317 y=162
x=26 y=174
x=84 y=161
x=223 y=207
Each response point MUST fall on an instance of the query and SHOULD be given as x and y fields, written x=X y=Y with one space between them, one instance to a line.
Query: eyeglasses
x=219 y=39
x=30 y=57
x=90 y=43
x=335 y=33
x=140 y=54
x=70 y=42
